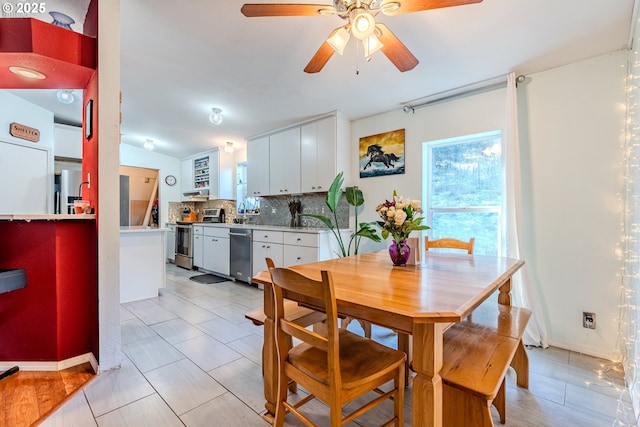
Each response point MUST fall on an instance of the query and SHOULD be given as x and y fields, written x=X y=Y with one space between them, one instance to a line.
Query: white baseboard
x=609 y=355
x=53 y=366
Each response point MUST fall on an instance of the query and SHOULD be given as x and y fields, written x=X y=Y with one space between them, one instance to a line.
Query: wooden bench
x=292 y=311
x=477 y=354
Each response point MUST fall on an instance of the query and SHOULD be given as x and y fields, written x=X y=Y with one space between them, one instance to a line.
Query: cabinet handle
x=298 y=239
x=319 y=187
x=298 y=258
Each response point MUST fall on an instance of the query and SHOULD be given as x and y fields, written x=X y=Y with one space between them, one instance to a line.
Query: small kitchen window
x=245 y=204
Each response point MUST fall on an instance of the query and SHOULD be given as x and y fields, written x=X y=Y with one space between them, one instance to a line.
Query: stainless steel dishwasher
x=241 y=256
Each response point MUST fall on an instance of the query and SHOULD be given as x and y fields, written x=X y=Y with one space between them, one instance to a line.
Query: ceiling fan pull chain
x=357 y=59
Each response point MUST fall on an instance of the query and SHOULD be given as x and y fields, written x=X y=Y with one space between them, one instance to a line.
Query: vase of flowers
x=400 y=217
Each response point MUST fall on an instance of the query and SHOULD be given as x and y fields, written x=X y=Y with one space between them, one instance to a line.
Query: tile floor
x=190 y=358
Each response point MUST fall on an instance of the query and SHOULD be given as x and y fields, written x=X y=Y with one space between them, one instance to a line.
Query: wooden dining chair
x=449 y=243
x=335 y=368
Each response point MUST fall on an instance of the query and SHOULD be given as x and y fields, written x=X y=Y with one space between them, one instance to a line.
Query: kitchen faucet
x=80 y=189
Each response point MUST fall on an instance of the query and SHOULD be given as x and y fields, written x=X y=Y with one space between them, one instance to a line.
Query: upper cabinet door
x=258 y=167
x=284 y=162
x=318 y=154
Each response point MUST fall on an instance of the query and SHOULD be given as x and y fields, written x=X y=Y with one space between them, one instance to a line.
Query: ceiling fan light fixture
x=65 y=96
x=216 y=116
x=338 y=39
x=327 y=11
x=363 y=24
x=390 y=7
x=371 y=45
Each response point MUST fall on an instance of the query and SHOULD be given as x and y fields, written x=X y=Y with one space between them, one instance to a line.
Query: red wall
x=56 y=316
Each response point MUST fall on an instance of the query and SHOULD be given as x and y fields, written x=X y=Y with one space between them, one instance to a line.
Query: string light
x=629 y=249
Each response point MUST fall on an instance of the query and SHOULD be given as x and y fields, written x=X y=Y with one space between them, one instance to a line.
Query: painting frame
x=382 y=154
x=88 y=120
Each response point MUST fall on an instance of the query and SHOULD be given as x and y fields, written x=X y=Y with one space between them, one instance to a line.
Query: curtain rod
x=460 y=92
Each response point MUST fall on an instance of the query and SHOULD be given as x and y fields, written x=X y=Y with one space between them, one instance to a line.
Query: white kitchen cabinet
x=67 y=141
x=267 y=244
x=216 y=250
x=258 y=167
x=318 y=145
x=302 y=159
x=171 y=242
x=212 y=171
x=284 y=162
x=300 y=248
x=198 y=246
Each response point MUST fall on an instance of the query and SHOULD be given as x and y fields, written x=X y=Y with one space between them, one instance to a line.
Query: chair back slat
x=304 y=334
x=448 y=243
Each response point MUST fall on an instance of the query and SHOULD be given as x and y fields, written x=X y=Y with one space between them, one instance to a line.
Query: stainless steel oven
x=184 y=245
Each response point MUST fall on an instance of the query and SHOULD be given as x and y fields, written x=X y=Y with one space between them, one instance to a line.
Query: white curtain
x=523 y=288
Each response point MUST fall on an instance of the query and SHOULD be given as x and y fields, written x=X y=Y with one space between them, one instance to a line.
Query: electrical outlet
x=588 y=320
x=273 y=210
x=322 y=210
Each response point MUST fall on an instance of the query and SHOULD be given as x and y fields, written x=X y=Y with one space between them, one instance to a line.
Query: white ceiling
x=180 y=59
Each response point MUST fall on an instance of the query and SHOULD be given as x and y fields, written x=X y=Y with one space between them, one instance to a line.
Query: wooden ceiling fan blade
x=409 y=6
x=320 y=59
x=253 y=10
x=395 y=50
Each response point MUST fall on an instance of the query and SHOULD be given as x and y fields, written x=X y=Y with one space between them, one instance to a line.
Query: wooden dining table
x=421 y=300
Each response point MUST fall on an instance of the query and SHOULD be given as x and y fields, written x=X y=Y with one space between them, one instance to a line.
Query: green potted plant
x=354 y=198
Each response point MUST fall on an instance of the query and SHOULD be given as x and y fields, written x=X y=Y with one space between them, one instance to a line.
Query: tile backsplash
x=274 y=210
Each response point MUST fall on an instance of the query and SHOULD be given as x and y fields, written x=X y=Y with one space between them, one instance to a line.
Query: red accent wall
x=56 y=316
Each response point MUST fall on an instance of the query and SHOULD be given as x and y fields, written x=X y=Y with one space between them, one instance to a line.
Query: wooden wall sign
x=24 y=132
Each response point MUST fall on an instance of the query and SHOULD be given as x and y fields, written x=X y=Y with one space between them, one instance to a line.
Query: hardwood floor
x=28 y=396
x=190 y=358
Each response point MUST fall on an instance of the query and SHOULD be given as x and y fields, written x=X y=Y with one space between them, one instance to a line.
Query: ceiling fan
x=360 y=17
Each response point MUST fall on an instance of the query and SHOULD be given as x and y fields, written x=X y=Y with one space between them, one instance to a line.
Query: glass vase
x=399 y=252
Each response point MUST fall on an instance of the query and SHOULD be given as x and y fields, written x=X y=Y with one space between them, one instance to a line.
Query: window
x=463 y=184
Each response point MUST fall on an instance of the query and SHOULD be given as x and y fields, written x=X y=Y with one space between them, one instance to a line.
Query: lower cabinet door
x=263 y=250
x=198 y=251
x=294 y=255
x=216 y=254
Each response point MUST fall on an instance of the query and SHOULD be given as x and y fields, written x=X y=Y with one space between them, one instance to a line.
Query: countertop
x=310 y=230
x=45 y=217
x=141 y=229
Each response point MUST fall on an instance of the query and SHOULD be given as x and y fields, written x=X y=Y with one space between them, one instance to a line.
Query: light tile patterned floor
x=190 y=358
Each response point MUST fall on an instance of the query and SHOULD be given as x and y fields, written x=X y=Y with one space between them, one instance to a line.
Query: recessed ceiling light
x=27 y=73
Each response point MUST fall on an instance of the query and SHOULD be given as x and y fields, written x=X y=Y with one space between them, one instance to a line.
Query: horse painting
x=382 y=154
x=376 y=154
